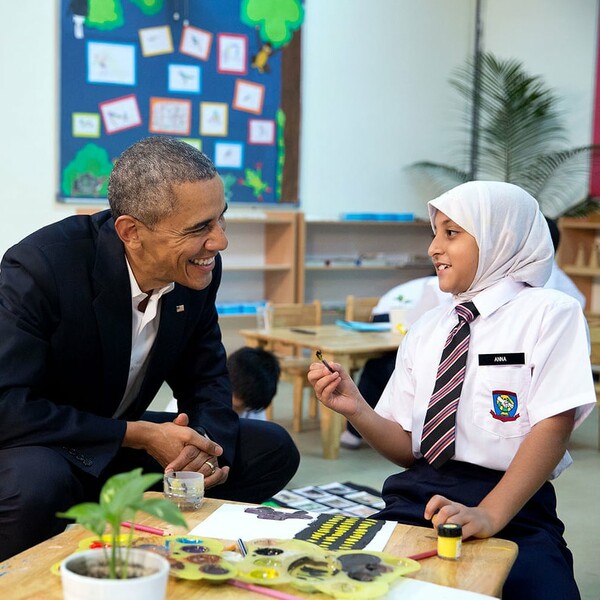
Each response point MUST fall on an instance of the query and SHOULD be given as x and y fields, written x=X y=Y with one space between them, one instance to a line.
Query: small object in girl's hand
x=320 y=357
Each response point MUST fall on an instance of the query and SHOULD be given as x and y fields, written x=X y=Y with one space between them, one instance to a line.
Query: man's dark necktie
x=439 y=429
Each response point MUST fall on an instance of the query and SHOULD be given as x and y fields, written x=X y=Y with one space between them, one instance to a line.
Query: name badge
x=510 y=358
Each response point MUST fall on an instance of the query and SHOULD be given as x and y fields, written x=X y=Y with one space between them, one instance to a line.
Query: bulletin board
x=223 y=75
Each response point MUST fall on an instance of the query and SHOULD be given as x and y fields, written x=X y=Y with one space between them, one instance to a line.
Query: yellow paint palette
x=343 y=574
x=352 y=574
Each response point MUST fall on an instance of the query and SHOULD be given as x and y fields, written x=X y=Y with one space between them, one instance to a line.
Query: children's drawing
x=120 y=113
x=185 y=78
x=156 y=40
x=86 y=124
x=253 y=180
x=79 y=8
x=275 y=25
x=214 y=118
x=110 y=63
x=229 y=155
x=248 y=96
x=261 y=131
x=232 y=52
x=233 y=521
x=228 y=182
x=87 y=174
x=196 y=42
x=170 y=116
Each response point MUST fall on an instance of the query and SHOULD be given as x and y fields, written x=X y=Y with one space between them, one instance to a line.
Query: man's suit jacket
x=65 y=344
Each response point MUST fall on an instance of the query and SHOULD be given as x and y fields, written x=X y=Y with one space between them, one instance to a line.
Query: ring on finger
x=212 y=467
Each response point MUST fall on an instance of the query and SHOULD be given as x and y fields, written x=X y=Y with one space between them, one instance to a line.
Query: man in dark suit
x=96 y=312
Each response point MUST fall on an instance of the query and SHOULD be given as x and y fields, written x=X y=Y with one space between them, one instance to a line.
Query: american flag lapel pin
x=180 y=308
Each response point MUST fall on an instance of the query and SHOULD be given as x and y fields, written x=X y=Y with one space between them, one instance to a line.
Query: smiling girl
x=507 y=412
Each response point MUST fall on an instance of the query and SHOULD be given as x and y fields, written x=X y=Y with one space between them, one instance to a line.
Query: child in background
x=254 y=375
x=485 y=461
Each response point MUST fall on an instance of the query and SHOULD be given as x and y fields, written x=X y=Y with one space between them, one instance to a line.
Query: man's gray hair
x=142 y=180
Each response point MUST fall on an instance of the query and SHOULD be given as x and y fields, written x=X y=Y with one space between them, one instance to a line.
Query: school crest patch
x=505 y=405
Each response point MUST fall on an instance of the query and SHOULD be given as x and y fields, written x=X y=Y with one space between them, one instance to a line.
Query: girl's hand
x=475 y=521
x=337 y=390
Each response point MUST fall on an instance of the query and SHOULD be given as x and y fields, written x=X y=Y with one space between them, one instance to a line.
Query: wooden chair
x=594 y=328
x=295 y=367
x=360 y=308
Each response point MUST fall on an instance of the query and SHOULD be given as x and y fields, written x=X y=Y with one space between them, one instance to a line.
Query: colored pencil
x=145 y=528
x=422 y=555
x=262 y=590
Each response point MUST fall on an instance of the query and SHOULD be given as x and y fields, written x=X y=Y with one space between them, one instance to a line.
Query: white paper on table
x=230 y=522
x=413 y=589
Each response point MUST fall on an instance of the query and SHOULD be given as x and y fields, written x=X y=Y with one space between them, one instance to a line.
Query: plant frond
x=560 y=179
x=520 y=136
x=443 y=177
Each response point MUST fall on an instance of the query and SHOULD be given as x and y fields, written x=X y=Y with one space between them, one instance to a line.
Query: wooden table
x=347 y=347
x=483 y=566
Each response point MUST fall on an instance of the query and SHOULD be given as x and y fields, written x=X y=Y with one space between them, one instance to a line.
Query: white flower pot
x=149 y=587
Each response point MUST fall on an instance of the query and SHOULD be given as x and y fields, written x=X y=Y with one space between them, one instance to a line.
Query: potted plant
x=117 y=570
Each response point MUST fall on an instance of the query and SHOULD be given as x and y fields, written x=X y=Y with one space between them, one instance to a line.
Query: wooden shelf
x=260 y=262
x=579 y=239
x=324 y=238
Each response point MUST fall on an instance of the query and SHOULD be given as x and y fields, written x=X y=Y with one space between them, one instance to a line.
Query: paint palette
x=198 y=558
x=352 y=574
x=344 y=574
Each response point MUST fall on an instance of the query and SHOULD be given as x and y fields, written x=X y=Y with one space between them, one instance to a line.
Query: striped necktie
x=439 y=429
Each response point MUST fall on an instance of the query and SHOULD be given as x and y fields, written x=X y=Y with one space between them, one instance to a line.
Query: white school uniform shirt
x=547 y=326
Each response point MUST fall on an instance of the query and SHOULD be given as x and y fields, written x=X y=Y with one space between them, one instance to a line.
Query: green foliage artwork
x=276 y=20
x=253 y=180
x=86 y=176
x=280 y=120
x=107 y=15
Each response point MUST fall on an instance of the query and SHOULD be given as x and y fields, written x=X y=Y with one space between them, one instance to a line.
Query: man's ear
x=127 y=230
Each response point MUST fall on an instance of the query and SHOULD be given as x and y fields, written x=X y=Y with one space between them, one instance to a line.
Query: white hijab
x=511 y=232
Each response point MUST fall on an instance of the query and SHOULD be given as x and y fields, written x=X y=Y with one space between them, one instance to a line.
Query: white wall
x=375 y=95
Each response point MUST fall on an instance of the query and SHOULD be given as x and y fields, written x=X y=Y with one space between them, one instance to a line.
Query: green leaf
x=126 y=490
x=88 y=514
x=164 y=510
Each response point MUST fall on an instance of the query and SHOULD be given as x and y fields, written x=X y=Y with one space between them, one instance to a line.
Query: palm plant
x=516 y=134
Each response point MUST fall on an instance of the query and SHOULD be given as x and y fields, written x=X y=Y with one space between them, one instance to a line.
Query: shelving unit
x=579 y=253
x=260 y=261
x=364 y=250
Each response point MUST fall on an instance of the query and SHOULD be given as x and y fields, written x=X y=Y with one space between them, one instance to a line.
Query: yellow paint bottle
x=449 y=541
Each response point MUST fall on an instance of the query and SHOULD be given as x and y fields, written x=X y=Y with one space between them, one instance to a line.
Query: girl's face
x=455 y=255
